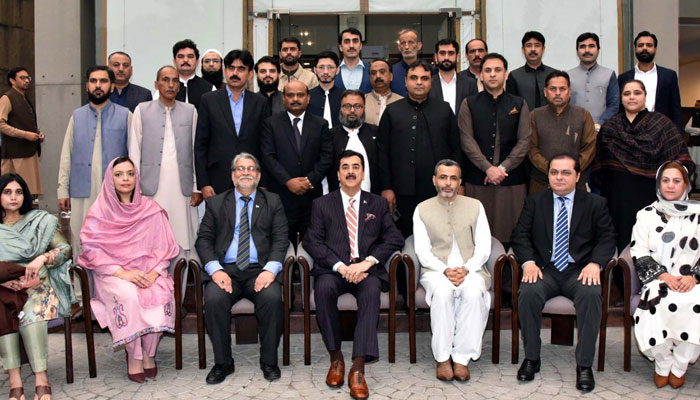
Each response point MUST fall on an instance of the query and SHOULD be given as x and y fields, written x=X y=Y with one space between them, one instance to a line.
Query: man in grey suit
x=242 y=254
x=447 y=84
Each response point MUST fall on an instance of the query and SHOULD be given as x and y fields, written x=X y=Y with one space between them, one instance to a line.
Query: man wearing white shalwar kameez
x=161 y=146
x=453 y=243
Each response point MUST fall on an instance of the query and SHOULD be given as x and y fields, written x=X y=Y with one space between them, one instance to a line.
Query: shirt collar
x=584 y=68
x=359 y=64
x=379 y=96
x=569 y=196
x=348 y=130
x=186 y=80
x=528 y=68
x=292 y=116
x=452 y=82
x=639 y=71
x=346 y=197
x=230 y=94
x=239 y=195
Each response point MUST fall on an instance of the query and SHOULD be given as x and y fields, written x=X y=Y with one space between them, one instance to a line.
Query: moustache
x=533 y=53
x=234 y=78
x=379 y=80
x=296 y=103
x=350 y=176
x=477 y=58
x=186 y=64
x=587 y=54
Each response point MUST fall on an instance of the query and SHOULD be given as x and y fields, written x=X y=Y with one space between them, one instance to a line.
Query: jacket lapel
x=306 y=130
x=577 y=211
x=247 y=109
x=290 y=134
x=225 y=104
x=361 y=212
x=229 y=216
x=458 y=91
x=549 y=217
x=339 y=214
x=258 y=206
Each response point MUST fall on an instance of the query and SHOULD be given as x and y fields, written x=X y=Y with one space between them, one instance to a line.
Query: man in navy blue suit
x=324 y=99
x=350 y=238
x=353 y=74
x=663 y=94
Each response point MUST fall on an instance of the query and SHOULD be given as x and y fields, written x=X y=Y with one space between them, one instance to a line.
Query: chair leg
x=178 y=315
x=496 y=326
x=392 y=310
x=67 y=334
x=87 y=316
x=286 y=301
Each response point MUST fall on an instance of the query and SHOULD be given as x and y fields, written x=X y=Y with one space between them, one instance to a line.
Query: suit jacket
x=283 y=160
x=137 y=95
x=591 y=235
x=317 y=102
x=216 y=141
x=365 y=86
x=327 y=241
x=368 y=137
x=268 y=227
x=668 y=96
x=465 y=87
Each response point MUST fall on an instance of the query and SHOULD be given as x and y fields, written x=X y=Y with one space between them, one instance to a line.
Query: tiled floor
x=401 y=380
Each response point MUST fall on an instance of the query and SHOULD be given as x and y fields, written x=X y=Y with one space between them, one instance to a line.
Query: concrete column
x=661 y=19
x=64 y=47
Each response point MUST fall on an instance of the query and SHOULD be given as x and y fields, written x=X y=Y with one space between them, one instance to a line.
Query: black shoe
x=219 y=372
x=584 y=379
x=270 y=372
x=527 y=370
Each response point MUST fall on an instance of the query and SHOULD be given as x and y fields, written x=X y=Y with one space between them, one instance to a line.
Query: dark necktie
x=561 y=237
x=297 y=133
x=243 y=255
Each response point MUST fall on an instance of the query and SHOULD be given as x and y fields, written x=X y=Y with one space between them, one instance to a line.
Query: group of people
x=349 y=160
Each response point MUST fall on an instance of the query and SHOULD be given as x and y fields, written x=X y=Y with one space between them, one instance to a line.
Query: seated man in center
x=242 y=254
x=453 y=242
x=351 y=237
x=563 y=239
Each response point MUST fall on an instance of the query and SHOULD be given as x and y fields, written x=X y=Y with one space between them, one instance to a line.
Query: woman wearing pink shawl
x=128 y=244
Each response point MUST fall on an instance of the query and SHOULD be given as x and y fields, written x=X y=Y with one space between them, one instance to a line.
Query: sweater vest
x=21 y=117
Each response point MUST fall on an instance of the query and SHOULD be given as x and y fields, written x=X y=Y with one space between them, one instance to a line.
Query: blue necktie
x=243 y=255
x=561 y=238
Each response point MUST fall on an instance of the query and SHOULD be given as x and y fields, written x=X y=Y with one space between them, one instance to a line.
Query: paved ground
x=401 y=380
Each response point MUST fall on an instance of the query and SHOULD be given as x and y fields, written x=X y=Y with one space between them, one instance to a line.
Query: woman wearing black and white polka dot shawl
x=666 y=254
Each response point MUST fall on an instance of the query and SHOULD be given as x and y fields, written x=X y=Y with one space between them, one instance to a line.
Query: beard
x=446 y=67
x=291 y=62
x=268 y=87
x=645 y=57
x=98 y=99
x=216 y=78
x=351 y=124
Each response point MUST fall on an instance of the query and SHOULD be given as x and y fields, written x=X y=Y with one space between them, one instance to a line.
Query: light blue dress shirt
x=236 y=109
x=352 y=78
x=231 y=254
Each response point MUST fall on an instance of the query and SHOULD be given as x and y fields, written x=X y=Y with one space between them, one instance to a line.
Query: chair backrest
x=635 y=283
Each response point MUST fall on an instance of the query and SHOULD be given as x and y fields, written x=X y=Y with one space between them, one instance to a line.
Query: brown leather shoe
x=461 y=372
x=358 y=385
x=675 y=381
x=660 y=380
x=444 y=370
x=336 y=374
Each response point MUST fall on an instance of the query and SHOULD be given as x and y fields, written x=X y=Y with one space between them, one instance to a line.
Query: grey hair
x=244 y=155
x=448 y=163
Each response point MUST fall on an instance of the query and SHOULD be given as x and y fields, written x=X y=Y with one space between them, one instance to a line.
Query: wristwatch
x=371 y=260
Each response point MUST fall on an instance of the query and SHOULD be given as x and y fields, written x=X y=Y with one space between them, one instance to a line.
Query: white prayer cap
x=213 y=51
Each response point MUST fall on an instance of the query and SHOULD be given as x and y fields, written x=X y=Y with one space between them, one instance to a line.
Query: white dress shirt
x=355 y=144
x=650 y=79
x=300 y=124
x=346 y=203
x=449 y=90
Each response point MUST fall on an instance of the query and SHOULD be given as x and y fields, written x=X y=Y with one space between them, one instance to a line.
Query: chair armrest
x=410 y=258
x=303 y=257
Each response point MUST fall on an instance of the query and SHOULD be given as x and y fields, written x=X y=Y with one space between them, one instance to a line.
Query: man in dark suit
x=124 y=92
x=563 y=239
x=325 y=98
x=242 y=254
x=659 y=81
x=352 y=72
x=351 y=237
x=229 y=123
x=354 y=134
x=447 y=84
x=297 y=151
x=185 y=60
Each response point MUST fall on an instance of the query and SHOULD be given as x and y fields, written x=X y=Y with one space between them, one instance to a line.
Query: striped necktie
x=351 y=220
x=243 y=255
x=561 y=237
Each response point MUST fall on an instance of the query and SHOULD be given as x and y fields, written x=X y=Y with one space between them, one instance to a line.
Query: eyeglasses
x=241 y=168
x=348 y=107
x=25 y=78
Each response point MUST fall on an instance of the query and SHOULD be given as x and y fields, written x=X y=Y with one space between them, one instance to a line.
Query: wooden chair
x=68 y=340
x=631 y=298
x=416 y=294
x=87 y=286
x=562 y=312
x=347 y=301
x=246 y=308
